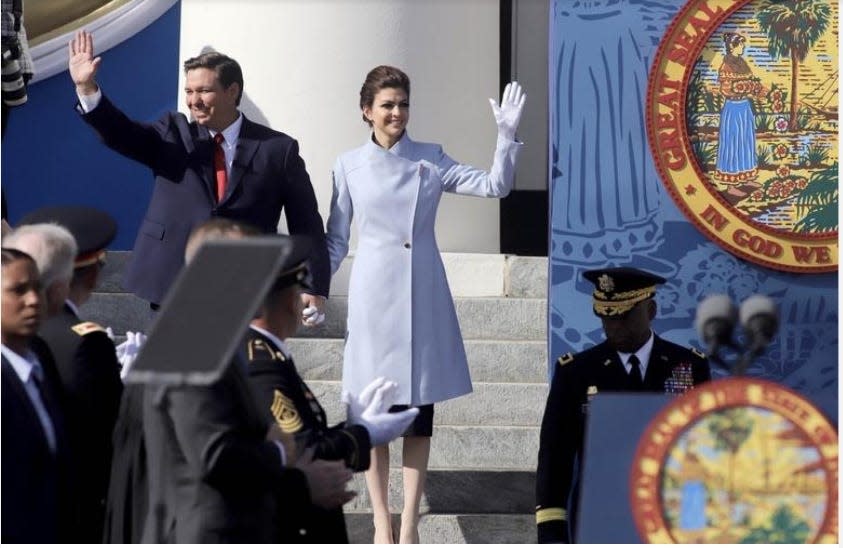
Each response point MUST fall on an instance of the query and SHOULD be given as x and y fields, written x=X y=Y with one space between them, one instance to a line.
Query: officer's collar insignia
x=608 y=361
x=698 y=352
x=565 y=359
x=606 y=283
x=257 y=349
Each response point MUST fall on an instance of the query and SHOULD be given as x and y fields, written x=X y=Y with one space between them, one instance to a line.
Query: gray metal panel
x=615 y=424
x=207 y=311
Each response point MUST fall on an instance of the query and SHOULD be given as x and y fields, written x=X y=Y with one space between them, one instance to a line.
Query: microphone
x=760 y=321
x=715 y=320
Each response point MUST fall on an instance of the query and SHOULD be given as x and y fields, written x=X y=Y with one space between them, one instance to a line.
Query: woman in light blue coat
x=401 y=319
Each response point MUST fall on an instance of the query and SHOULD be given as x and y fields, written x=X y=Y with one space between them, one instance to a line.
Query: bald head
x=215 y=229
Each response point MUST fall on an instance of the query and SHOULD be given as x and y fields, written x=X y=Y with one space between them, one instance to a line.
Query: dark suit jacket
x=212 y=475
x=90 y=376
x=671 y=369
x=267 y=175
x=286 y=399
x=35 y=486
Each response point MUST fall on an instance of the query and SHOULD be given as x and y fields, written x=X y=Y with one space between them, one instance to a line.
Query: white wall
x=304 y=62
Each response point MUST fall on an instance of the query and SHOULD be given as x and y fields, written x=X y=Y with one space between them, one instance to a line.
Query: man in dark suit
x=35 y=457
x=631 y=359
x=288 y=401
x=86 y=362
x=220 y=164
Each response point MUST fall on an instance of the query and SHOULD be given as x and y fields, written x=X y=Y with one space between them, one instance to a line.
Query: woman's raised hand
x=508 y=114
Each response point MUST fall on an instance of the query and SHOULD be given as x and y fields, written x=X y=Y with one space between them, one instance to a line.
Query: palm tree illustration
x=792 y=28
x=731 y=428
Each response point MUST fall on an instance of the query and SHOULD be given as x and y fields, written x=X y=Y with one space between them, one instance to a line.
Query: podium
x=615 y=424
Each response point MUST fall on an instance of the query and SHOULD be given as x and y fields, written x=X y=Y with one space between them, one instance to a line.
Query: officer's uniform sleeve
x=557 y=449
x=283 y=397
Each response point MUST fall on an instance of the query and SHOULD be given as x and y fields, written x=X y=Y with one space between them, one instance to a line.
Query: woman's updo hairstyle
x=731 y=40
x=379 y=78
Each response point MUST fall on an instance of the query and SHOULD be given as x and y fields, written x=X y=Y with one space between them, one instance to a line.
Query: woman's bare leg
x=377 y=481
x=415 y=458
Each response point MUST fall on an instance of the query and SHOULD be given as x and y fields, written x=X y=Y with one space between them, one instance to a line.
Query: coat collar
x=401 y=148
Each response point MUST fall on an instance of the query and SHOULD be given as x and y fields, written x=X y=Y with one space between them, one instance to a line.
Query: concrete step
x=490 y=404
x=458 y=492
x=488 y=361
x=479 y=317
x=454 y=528
x=469 y=275
x=526 y=277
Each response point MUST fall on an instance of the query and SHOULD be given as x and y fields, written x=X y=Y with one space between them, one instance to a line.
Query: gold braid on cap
x=620 y=302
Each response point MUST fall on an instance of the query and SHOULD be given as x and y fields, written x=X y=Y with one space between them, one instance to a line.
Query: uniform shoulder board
x=84 y=328
x=698 y=352
x=565 y=359
x=259 y=350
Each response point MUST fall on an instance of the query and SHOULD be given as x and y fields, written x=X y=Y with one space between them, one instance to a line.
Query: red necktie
x=219 y=166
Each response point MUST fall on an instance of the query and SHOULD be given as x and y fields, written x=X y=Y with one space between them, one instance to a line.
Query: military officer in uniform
x=289 y=403
x=86 y=361
x=631 y=359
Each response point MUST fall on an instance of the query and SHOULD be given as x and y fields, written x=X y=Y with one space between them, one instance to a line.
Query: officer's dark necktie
x=219 y=166
x=636 y=382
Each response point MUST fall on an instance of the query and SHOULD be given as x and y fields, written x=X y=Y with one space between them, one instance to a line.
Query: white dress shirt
x=643 y=355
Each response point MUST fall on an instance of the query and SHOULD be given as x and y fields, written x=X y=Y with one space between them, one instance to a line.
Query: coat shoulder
x=582 y=358
x=353 y=159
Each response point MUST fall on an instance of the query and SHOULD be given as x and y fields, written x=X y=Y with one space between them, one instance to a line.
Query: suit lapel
x=247 y=145
x=612 y=372
x=10 y=378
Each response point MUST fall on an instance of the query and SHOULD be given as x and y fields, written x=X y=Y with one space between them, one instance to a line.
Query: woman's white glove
x=508 y=114
x=312 y=317
x=370 y=410
x=128 y=350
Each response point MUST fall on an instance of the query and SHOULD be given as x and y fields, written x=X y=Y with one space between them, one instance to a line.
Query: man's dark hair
x=227 y=69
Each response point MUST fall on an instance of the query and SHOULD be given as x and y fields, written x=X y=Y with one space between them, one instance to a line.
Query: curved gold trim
x=46 y=19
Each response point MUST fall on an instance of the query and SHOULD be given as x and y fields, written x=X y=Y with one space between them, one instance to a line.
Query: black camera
x=14 y=88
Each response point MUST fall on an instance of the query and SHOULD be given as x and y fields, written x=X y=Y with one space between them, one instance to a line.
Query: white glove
x=311 y=316
x=110 y=333
x=128 y=350
x=508 y=114
x=370 y=410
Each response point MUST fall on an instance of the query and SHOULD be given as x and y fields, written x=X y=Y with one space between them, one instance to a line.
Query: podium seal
x=738 y=460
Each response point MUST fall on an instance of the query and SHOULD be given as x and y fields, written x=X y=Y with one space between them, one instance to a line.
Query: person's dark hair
x=227 y=69
x=379 y=78
x=731 y=40
x=11 y=255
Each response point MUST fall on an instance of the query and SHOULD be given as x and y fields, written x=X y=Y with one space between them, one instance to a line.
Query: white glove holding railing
x=508 y=114
x=370 y=409
x=128 y=350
